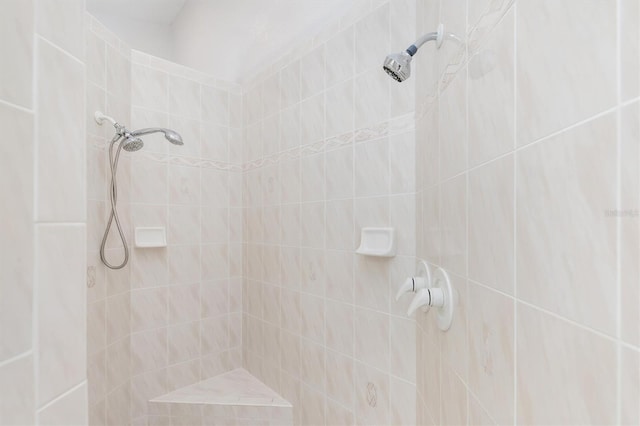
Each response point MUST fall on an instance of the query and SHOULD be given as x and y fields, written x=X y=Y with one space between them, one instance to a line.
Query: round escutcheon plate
x=445 y=313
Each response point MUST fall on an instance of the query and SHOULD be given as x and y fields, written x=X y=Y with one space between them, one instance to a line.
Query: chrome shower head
x=132 y=144
x=169 y=134
x=398 y=66
x=132 y=141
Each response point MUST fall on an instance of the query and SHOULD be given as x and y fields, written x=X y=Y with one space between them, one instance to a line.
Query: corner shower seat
x=234 y=398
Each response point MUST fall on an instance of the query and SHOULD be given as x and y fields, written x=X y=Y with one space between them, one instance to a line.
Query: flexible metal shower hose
x=113 y=192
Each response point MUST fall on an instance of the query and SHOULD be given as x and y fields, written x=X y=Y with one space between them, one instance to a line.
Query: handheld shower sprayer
x=398 y=65
x=131 y=142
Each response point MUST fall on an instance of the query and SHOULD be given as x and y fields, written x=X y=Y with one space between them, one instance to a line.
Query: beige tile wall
x=108 y=86
x=172 y=316
x=328 y=149
x=43 y=226
x=531 y=130
x=186 y=300
x=526 y=141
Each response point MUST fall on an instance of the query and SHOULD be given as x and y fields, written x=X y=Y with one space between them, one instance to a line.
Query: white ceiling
x=230 y=39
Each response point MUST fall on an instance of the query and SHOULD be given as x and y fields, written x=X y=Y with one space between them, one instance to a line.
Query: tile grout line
x=389 y=208
x=354 y=262
x=36 y=205
x=60 y=398
x=16 y=358
x=439 y=213
x=566 y=320
x=17 y=107
x=467 y=211
x=515 y=214
x=104 y=211
x=618 y=403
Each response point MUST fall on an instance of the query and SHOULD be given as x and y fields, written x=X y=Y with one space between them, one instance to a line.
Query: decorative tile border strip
x=477 y=34
x=369 y=133
x=402 y=124
x=395 y=126
x=339 y=141
x=486 y=23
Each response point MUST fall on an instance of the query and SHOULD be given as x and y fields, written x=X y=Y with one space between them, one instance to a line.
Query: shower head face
x=173 y=137
x=132 y=144
x=398 y=66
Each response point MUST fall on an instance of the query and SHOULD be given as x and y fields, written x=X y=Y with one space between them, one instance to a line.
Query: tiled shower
x=510 y=158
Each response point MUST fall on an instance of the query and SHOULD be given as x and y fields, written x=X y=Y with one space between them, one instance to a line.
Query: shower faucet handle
x=439 y=294
x=421 y=280
x=411 y=285
x=425 y=299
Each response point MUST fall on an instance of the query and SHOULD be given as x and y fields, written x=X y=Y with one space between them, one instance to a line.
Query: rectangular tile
x=61 y=179
x=61 y=287
x=16 y=228
x=16 y=52
x=71 y=409
x=17 y=392
x=566 y=244
x=550 y=355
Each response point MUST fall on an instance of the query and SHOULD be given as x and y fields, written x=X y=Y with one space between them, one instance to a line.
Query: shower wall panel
x=328 y=149
x=531 y=205
x=186 y=299
x=172 y=316
x=43 y=226
x=109 y=291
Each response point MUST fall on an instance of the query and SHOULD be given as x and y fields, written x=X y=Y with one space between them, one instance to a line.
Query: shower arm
x=438 y=36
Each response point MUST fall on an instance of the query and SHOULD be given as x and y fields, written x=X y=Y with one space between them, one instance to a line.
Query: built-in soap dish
x=150 y=237
x=380 y=242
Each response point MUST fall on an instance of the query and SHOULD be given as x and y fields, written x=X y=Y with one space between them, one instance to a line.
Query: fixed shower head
x=132 y=144
x=398 y=65
x=169 y=134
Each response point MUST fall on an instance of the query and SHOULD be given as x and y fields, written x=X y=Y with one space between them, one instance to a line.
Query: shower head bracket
x=100 y=118
x=440 y=37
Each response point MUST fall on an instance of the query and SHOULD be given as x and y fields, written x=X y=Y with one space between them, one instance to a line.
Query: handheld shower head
x=132 y=141
x=169 y=134
x=173 y=137
x=129 y=141
x=132 y=144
